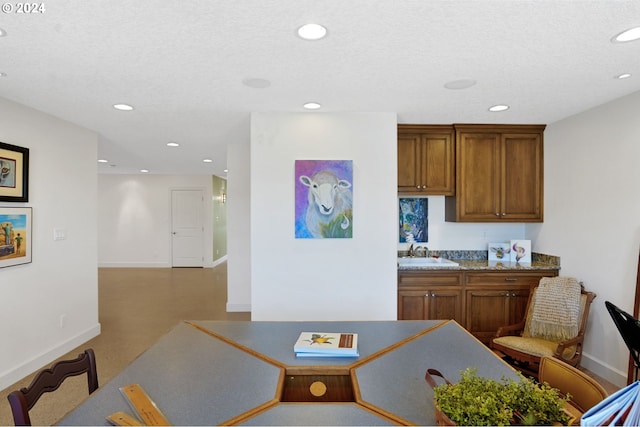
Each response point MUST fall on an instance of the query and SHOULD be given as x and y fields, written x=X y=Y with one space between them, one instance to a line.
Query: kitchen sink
x=425 y=262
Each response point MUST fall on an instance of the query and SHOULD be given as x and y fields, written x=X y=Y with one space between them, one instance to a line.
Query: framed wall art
x=324 y=199
x=15 y=236
x=413 y=215
x=14 y=173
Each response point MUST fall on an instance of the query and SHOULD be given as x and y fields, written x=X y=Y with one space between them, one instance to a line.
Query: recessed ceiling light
x=312 y=105
x=173 y=144
x=499 y=107
x=103 y=161
x=144 y=170
x=256 y=83
x=207 y=160
x=623 y=76
x=226 y=170
x=460 y=84
x=312 y=32
x=123 y=107
x=627 y=36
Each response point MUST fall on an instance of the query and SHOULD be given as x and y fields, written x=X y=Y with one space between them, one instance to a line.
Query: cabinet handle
x=507 y=294
x=503 y=214
x=433 y=294
x=424 y=187
x=418 y=187
x=427 y=295
x=510 y=279
x=497 y=213
x=513 y=294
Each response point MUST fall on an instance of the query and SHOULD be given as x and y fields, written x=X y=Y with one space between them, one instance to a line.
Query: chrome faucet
x=414 y=252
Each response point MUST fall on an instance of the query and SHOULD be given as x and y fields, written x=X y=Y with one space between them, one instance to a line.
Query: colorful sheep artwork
x=323 y=199
x=413 y=215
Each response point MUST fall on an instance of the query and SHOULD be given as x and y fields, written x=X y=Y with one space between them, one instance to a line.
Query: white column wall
x=323 y=279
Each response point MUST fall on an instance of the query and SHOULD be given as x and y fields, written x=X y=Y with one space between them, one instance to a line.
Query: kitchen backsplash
x=483 y=255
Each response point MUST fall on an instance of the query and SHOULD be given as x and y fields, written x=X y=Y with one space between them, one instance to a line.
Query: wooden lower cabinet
x=481 y=301
x=430 y=296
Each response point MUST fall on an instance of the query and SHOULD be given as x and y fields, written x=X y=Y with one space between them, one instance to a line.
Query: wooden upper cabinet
x=426 y=160
x=499 y=174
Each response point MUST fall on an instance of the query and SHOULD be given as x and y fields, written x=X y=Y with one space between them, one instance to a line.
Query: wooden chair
x=629 y=328
x=51 y=379
x=517 y=346
x=585 y=391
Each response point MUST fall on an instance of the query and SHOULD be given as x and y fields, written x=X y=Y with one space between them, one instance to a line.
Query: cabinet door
x=487 y=310
x=522 y=159
x=437 y=164
x=426 y=163
x=478 y=176
x=446 y=304
x=518 y=305
x=409 y=163
x=413 y=305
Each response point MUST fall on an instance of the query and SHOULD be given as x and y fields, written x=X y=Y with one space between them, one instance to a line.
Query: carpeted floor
x=136 y=307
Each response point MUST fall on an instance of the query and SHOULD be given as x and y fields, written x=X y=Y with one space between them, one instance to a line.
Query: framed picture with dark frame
x=14 y=173
x=15 y=236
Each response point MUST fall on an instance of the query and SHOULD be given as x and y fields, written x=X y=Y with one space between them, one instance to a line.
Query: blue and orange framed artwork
x=15 y=236
x=413 y=215
x=324 y=199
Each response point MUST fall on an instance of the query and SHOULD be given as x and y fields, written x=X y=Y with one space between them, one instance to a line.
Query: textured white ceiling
x=181 y=64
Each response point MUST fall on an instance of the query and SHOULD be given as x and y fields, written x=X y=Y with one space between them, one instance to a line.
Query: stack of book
x=326 y=344
x=622 y=408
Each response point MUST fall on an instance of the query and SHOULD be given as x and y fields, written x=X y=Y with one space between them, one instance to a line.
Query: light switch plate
x=59 y=234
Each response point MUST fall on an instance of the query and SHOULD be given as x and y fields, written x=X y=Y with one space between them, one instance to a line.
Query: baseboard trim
x=30 y=366
x=608 y=372
x=207 y=264
x=219 y=261
x=238 y=308
x=134 y=265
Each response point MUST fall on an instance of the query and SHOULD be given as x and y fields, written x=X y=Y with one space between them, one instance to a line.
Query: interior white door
x=187 y=228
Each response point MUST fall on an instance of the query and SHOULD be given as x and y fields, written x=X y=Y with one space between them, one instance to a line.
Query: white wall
x=592 y=217
x=239 y=225
x=62 y=279
x=462 y=235
x=134 y=218
x=323 y=279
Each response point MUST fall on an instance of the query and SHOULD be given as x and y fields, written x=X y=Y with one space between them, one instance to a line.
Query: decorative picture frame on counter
x=500 y=252
x=14 y=173
x=15 y=236
x=521 y=251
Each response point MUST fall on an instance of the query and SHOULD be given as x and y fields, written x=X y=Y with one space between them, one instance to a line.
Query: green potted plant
x=484 y=401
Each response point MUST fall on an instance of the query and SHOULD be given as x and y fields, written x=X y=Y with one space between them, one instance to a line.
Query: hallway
x=136 y=307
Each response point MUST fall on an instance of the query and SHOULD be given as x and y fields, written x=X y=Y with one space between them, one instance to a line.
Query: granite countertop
x=477 y=260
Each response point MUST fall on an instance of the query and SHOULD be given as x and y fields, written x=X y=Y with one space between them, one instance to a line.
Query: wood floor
x=136 y=307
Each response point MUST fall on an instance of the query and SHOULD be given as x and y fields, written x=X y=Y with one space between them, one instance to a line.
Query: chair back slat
x=49 y=380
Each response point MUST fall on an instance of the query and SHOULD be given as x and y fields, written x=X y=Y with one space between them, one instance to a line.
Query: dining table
x=206 y=372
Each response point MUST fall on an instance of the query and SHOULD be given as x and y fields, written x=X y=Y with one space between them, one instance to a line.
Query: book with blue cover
x=622 y=408
x=326 y=344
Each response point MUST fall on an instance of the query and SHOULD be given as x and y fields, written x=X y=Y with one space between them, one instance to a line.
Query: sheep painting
x=324 y=199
